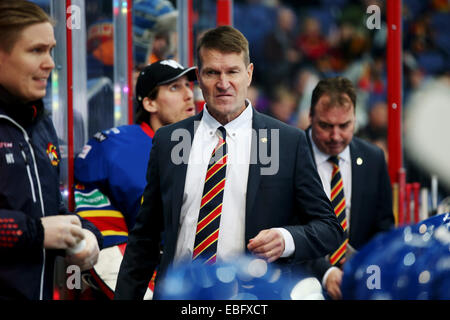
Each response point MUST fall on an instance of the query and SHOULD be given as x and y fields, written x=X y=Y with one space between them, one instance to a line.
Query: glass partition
x=100 y=66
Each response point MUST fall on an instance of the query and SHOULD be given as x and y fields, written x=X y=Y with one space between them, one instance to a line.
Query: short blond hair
x=224 y=39
x=16 y=15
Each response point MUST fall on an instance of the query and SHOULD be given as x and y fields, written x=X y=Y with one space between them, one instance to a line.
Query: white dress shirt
x=325 y=168
x=231 y=240
x=232 y=222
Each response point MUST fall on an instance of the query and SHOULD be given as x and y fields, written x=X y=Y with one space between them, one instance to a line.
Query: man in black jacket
x=363 y=197
x=278 y=212
x=34 y=224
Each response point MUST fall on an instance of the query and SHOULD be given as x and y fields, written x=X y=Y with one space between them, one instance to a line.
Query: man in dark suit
x=272 y=206
x=366 y=187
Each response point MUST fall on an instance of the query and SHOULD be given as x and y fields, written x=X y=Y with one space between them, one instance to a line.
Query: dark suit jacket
x=371 y=207
x=292 y=198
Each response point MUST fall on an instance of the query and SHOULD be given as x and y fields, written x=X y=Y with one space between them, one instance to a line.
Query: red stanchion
x=401 y=196
x=408 y=203
x=224 y=15
x=416 y=191
x=394 y=88
x=130 y=61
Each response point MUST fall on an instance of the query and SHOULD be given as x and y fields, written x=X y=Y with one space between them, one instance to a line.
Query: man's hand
x=333 y=284
x=88 y=256
x=268 y=244
x=61 y=231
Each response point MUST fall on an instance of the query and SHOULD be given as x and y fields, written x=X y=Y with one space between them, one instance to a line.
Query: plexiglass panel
x=100 y=65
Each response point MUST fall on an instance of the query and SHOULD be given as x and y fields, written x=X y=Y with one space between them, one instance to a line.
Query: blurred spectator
x=414 y=78
x=311 y=42
x=100 y=74
x=255 y=20
x=372 y=79
x=377 y=125
x=163 y=46
x=376 y=129
x=258 y=98
x=305 y=82
x=352 y=44
x=280 y=54
x=154 y=27
x=282 y=105
x=100 y=47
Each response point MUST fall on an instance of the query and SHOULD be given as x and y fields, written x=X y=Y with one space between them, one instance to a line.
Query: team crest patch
x=52 y=154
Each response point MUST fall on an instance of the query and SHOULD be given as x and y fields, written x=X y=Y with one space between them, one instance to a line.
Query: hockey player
x=110 y=171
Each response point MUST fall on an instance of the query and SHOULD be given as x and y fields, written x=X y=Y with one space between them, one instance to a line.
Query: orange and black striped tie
x=337 y=199
x=205 y=246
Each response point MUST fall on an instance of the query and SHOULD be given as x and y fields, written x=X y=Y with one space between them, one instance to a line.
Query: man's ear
x=149 y=105
x=250 y=73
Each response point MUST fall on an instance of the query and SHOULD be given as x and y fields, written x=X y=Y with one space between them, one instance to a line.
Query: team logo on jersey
x=52 y=154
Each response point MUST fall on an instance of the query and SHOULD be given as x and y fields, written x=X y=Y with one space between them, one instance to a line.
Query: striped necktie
x=337 y=199
x=207 y=233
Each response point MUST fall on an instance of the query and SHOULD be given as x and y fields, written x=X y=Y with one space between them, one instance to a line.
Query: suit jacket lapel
x=179 y=173
x=357 y=182
x=254 y=174
x=310 y=145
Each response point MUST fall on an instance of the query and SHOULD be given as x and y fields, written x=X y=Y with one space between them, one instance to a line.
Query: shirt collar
x=243 y=121
x=322 y=157
x=147 y=129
